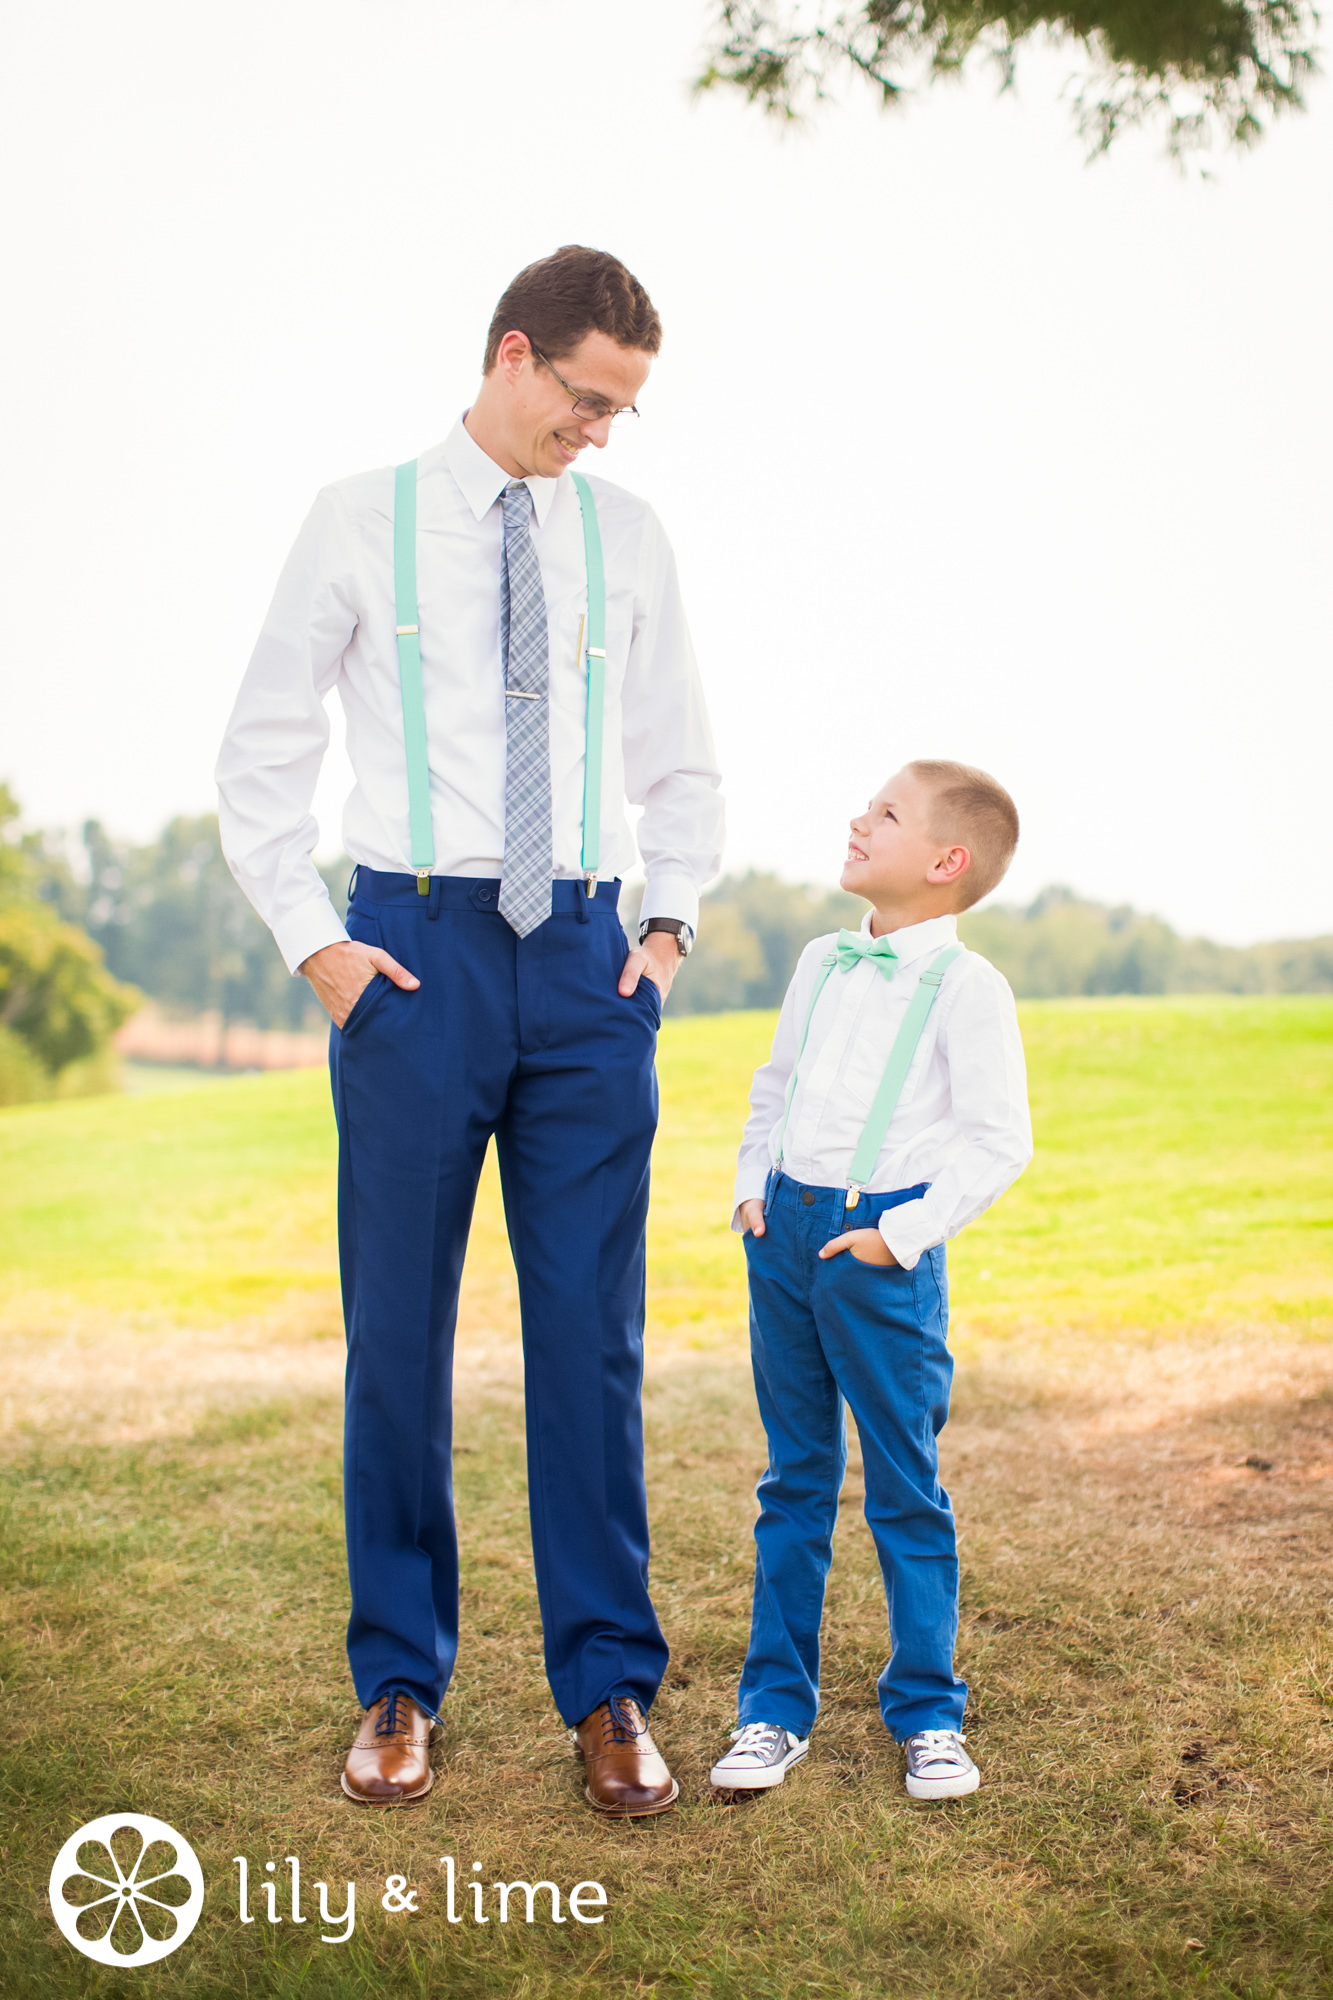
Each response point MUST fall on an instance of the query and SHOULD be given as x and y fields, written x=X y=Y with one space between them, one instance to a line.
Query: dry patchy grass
x=1144 y=1515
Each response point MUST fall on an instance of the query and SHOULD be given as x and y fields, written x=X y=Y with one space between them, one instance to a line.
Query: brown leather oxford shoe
x=389 y=1763
x=626 y=1772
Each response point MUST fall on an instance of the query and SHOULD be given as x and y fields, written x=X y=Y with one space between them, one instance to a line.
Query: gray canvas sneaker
x=938 y=1767
x=761 y=1755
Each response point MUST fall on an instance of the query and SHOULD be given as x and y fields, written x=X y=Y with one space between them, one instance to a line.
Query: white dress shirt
x=962 y=1120
x=332 y=624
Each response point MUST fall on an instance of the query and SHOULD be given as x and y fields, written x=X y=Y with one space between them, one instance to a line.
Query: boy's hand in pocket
x=866 y=1245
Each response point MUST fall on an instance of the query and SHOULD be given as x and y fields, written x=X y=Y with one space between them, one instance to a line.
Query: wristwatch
x=681 y=931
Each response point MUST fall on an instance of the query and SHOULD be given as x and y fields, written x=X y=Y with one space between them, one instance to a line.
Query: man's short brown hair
x=574 y=292
x=970 y=808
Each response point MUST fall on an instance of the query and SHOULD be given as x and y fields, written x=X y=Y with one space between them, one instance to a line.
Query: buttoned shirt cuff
x=306 y=930
x=906 y=1243
x=671 y=896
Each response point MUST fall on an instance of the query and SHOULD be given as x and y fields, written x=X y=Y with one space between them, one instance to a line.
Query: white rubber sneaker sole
x=752 y=1778
x=944 y=1788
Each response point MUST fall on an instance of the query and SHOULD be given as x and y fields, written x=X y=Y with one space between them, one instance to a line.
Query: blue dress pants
x=873 y=1334
x=526 y=1039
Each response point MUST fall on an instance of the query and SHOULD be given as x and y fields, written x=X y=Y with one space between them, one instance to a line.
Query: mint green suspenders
x=409 y=676
x=595 y=655
x=409 y=671
x=905 y=1045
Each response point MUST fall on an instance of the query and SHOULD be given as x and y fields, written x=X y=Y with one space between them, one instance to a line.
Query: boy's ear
x=951 y=864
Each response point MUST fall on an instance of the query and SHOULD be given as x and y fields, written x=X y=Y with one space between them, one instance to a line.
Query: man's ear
x=950 y=866
x=512 y=355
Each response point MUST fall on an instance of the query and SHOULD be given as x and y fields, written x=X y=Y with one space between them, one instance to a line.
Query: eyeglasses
x=591 y=408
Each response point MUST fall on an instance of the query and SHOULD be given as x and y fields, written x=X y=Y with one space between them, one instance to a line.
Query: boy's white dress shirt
x=962 y=1120
x=332 y=624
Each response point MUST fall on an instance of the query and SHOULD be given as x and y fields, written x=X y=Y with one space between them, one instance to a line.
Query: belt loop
x=838 y=1218
x=433 y=904
x=351 y=883
x=771 y=1190
x=581 y=901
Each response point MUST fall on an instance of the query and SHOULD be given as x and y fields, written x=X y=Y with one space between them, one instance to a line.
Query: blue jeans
x=875 y=1335
x=530 y=1041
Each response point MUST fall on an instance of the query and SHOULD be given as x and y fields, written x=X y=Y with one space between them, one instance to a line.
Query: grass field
x=1141 y=1456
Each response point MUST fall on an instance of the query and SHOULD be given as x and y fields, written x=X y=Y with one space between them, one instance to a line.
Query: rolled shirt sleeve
x=768 y=1092
x=980 y=1041
x=671 y=766
x=962 y=1125
x=278 y=734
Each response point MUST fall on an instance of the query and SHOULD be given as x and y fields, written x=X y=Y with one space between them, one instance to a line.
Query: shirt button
x=808 y=1197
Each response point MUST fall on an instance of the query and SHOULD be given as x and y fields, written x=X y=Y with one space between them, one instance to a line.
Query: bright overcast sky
x=966 y=449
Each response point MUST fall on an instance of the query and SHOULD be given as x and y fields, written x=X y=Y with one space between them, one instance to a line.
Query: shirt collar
x=915 y=940
x=481 y=481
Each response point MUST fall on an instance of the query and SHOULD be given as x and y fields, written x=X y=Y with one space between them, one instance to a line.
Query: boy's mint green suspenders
x=409 y=676
x=905 y=1045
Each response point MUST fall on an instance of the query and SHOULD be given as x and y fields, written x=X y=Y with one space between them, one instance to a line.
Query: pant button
x=808 y=1197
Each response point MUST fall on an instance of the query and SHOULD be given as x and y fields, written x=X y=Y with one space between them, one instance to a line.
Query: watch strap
x=679 y=929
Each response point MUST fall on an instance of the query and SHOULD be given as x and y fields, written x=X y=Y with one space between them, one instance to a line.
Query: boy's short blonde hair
x=973 y=809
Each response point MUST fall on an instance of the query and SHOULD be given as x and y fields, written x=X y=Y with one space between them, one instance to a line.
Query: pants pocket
x=889 y=1272
x=647 y=994
x=930 y=1289
x=364 y=1004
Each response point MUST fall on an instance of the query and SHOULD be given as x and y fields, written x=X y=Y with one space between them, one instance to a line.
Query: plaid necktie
x=525 y=889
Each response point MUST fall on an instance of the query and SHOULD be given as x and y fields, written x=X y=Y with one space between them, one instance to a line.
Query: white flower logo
x=136 y=1889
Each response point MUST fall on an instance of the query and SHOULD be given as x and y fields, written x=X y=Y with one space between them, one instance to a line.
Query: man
x=482 y=986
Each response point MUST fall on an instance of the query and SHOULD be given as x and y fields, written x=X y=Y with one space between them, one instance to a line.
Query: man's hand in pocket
x=657 y=958
x=340 y=974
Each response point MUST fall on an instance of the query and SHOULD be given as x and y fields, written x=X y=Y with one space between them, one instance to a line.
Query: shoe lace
x=937 y=1743
x=622 y=1721
x=392 y=1720
x=757 y=1735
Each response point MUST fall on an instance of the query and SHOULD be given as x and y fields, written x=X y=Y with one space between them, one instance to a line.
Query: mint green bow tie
x=853 y=946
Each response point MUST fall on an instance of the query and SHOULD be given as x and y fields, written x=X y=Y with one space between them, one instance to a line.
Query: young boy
x=892 y=1112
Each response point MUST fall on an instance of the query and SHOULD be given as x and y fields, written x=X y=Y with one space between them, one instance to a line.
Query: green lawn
x=1184 y=1176
x=1141 y=1456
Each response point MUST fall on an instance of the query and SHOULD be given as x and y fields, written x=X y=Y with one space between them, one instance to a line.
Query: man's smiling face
x=891 y=852
x=544 y=435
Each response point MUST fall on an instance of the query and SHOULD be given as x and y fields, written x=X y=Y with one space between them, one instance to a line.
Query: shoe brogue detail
x=389 y=1762
x=626 y=1772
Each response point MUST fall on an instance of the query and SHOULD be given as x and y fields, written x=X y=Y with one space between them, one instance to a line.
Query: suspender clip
x=423 y=881
x=853 y=1196
x=590 y=882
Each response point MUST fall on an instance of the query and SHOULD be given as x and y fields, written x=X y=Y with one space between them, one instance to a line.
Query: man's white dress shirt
x=962 y=1120
x=332 y=624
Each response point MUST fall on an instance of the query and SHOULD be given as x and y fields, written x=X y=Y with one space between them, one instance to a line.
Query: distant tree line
x=1062 y=944
x=59 y=1006
x=752 y=929
x=89 y=927
x=169 y=916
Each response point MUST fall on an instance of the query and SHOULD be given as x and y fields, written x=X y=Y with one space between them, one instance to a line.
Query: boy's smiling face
x=896 y=862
